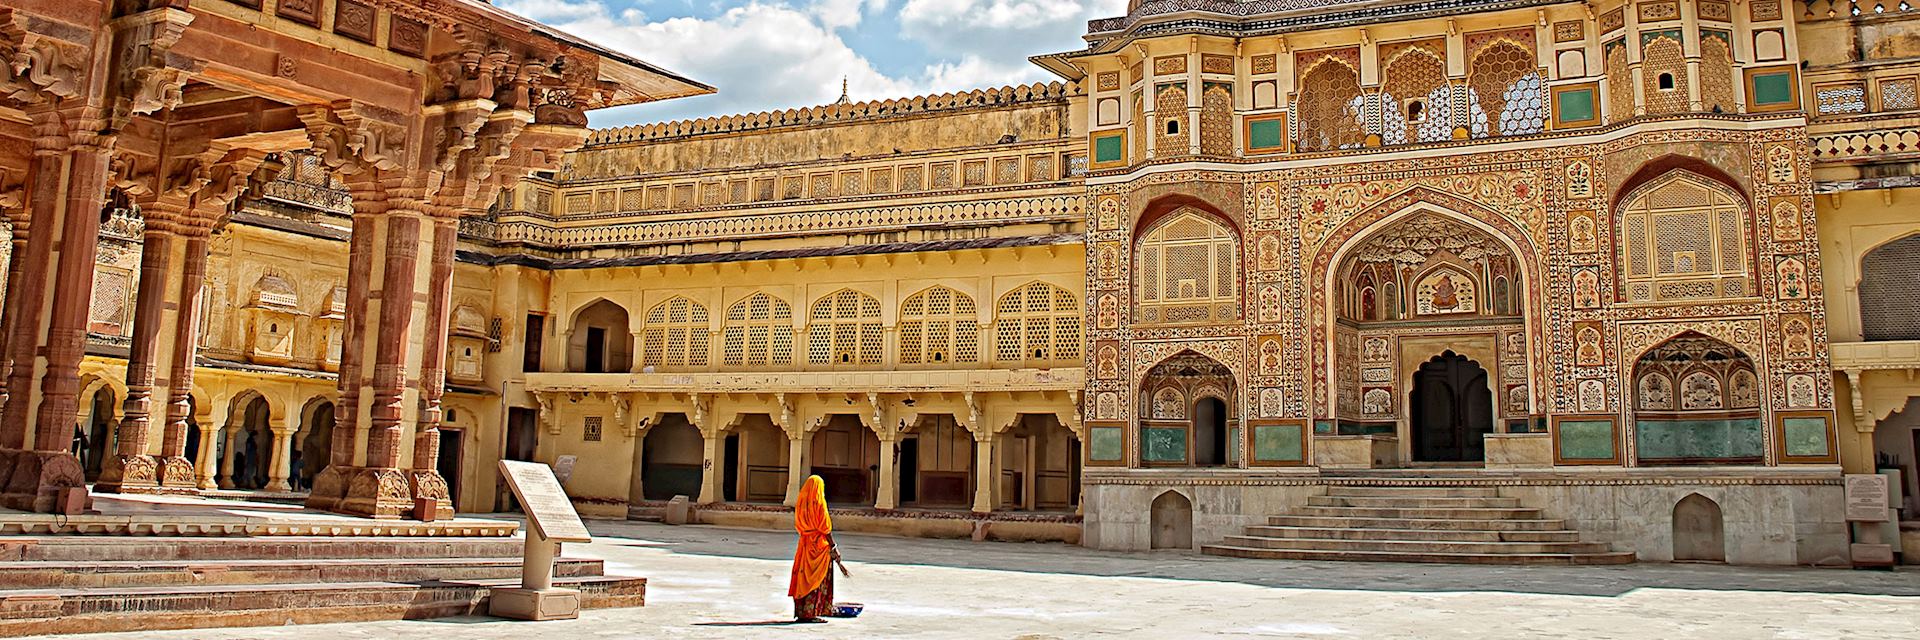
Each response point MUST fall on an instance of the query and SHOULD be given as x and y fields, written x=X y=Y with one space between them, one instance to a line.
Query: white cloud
x=769 y=54
x=969 y=25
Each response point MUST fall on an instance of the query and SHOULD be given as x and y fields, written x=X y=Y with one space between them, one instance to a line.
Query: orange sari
x=813 y=559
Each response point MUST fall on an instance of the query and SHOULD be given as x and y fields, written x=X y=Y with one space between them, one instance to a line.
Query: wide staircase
x=77 y=584
x=1472 y=525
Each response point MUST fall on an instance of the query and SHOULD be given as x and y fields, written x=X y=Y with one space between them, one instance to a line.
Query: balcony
x=983 y=380
x=1876 y=356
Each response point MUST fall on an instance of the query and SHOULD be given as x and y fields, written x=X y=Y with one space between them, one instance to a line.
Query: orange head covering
x=813 y=559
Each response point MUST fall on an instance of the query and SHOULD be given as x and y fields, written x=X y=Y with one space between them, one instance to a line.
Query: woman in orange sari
x=811 y=585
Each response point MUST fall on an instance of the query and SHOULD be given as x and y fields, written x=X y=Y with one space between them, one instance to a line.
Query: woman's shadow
x=768 y=623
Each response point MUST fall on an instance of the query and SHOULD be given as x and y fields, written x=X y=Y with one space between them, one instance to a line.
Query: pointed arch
x=1684 y=410
x=1684 y=235
x=757 y=331
x=1037 y=323
x=599 y=338
x=1187 y=269
x=939 y=325
x=1330 y=255
x=843 y=328
x=675 y=334
x=1171 y=521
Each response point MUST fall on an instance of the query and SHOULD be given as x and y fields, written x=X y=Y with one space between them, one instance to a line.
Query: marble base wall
x=1117 y=517
x=1765 y=522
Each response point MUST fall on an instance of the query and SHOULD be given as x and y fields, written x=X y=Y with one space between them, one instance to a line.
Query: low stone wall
x=913 y=524
x=1770 y=516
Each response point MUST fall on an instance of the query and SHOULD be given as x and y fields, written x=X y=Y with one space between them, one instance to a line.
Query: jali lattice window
x=937 y=326
x=1505 y=79
x=1187 y=271
x=1889 y=310
x=1037 y=324
x=1329 y=108
x=675 y=334
x=1414 y=94
x=844 y=329
x=1684 y=237
x=759 y=331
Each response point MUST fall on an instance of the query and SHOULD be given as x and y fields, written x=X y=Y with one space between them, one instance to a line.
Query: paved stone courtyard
x=726 y=583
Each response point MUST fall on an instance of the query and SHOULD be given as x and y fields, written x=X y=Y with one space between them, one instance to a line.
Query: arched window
x=1889 y=310
x=1505 y=79
x=1188 y=270
x=675 y=334
x=844 y=329
x=1685 y=237
x=1329 y=101
x=938 y=326
x=1414 y=93
x=1037 y=323
x=1664 y=63
x=759 y=331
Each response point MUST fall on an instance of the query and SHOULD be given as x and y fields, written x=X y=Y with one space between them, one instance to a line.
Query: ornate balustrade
x=1819 y=9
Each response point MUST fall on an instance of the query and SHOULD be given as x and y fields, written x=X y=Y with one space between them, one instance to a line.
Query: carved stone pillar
x=887 y=496
x=132 y=470
x=67 y=192
x=176 y=471
x=427 y=485
x=381 y=489
x=207 y=459
x=278 y=464
x=799 y=462
x=330 y=485
x=229 y=448
x=985 y=471
x=710 y=466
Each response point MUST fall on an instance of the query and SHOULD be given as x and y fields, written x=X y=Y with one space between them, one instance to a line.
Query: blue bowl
x=848 y=609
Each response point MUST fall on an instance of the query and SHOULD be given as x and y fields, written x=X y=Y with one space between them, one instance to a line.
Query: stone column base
x=176 y=476
x=129 y=474
x=379 y=493
x=428 y=485
x=330 y=486
x=39 y=480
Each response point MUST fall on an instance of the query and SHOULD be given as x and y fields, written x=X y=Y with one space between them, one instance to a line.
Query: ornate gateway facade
x=1566 y=249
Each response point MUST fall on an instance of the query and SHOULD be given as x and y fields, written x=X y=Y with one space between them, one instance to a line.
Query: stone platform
x=159 y=515
x=146 y=563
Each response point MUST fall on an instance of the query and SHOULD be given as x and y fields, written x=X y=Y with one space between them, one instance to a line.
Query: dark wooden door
x=1452 y=409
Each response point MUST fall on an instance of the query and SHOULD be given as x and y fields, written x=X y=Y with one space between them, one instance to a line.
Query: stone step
x=58 y=611
x=1436 y=513
x=123 y=548
x=1454 y=524
x=1610 y=557
x=144 y=573
x=1418 y=492
x=1414 y=546
x=1409 y=502
x=1414 y=534
x=647 y=513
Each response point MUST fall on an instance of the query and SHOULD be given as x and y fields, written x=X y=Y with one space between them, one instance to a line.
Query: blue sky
x=776 y=54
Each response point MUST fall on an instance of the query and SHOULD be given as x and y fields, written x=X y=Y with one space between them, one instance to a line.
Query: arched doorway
x=1452 y=410
x=1171 y=521
x=1418 y=283
x=100 y=439
x=316 y=444
x=1210 y=433
x=1699 y=530
x=601 y=341
x=249 y=446
x=1186 y=417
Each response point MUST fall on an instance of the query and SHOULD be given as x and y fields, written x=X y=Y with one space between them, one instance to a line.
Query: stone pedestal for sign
x=552 y=603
